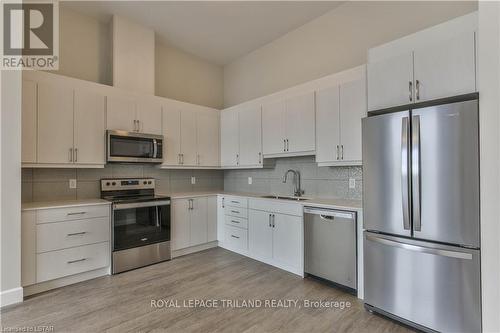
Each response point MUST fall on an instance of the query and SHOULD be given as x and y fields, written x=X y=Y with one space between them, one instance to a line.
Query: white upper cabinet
x=121 y=113
x=55 y=123
x=327 y=125
x=300 y=124
x=390 y=82
x=445 y=69
x=189 y=156
x=171 y=136
x=149 y=116
x=273 y=128
x=288 y=126
x=207 y=138
x=229 y=141
x=89 y=132
x=29 y=107
x=352 y=110
x=250 y=136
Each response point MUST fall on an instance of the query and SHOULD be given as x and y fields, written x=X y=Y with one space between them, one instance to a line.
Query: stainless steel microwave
x=132 y=147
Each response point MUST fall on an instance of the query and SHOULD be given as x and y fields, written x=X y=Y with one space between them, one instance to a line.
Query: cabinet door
x=28 y=130
x=250 y=128
x=171 y=135
x=352 y=110
x=229 y=141
x=149 y=116
x=211 y=218
x=446 y=69
x=55 y=123
x=199 y=226
x=188 y=137
x=273 y=128
x=287 y=240
x=120 y=113
x=89 y=134
x=207 y=125
x=260 y=234
x=300 y=123
x=180 y=224
x=327 y=125
x=389 y=82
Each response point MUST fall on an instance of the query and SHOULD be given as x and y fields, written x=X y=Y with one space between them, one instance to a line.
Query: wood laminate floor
x=122 y=303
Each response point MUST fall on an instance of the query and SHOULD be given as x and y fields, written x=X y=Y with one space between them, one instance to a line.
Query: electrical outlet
x=249 y=180
x=72 y=183
x=193 y=180
x=352 y=183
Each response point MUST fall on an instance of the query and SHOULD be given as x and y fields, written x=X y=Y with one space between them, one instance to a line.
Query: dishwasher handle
x=329 y=213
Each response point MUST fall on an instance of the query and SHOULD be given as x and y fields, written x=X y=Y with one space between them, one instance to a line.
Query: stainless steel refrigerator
x=421 y=215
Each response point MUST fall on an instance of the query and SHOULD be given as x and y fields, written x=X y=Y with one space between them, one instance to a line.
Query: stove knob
x=149 y=182
x=108 y=183
x=113 y=183
x=144 y=182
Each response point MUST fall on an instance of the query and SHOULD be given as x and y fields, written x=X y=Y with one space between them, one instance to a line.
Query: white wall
x=10 y=223
x=489 y=122
x=331 y=43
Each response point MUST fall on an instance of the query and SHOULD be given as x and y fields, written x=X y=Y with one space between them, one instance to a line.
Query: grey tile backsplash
x=40 y=184
x=322 y=182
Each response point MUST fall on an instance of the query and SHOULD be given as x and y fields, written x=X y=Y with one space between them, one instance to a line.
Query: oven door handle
x=120 y=206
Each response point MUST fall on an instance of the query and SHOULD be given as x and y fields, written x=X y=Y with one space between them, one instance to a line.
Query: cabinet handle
x=235 y=212
x=198 y=159
x=223 y=202
x=71 y=155
x=77 y=233
x=287 y=145
x=76 y=213
x=410 y=91
x=270 y=225
x=284 y=144
x=337 y=153
x=342 y=152
x=417 y=88
x=235 y=221
x=260 y=158
x=237 y=159
x=273 y=220
x=182 y=158
x=76 y=154
x=234 y=201
x=235 y=236
x=75 y=261
x=190 y=204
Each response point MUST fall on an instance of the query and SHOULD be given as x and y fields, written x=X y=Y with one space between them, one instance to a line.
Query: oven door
x=140 y=223
x=132 y=147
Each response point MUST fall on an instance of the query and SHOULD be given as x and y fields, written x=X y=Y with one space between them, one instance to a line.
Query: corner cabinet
x=288 y=126
x=339 y=110
x=191 y=135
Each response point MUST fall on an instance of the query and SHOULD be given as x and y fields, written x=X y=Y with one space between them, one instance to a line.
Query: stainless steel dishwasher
x=330 y=245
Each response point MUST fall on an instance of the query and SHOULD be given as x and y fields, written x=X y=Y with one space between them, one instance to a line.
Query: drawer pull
x=77 y=233
x=144 y=239
x=233 y=201
x=235 y=221
x=235 y=211
x=235 y=236
x=76 y=213
x=75 y=261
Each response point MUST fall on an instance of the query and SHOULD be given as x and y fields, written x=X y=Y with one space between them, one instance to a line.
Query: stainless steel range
x=140 y=222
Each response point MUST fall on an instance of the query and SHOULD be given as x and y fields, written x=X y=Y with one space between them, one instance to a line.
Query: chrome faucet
x=296 y=180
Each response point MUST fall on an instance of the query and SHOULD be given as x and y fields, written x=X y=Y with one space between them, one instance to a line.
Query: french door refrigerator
x=421 y=215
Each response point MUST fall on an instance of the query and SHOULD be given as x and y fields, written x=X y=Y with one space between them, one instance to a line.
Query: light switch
x=193 y=180
x=249 y=180
x=352 y=183
x=72 y=183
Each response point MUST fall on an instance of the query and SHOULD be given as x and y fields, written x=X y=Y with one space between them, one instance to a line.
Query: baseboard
x=65 y=281
x=193 y=249
x=11 y=296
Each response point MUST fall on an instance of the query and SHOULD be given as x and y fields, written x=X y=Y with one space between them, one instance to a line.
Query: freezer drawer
x=330 y=245
x=436 y=286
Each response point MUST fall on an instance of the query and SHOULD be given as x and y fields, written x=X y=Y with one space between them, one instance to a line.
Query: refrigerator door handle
x=415 y=177
x=419 y=248
x=404 y=172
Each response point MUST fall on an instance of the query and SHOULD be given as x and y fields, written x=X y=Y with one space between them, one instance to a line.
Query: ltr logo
x=28 y=29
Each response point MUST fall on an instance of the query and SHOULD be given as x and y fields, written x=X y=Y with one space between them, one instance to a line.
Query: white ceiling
x=218 y=31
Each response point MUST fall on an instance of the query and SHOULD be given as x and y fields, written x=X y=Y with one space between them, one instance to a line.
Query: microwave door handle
x=155 y=148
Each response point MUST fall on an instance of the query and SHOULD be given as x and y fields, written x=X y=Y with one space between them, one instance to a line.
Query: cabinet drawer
x=71 y=213
x=61 y=235
x=236 y=212
x=236 y=221
x=56 y=264
x=236 y=238
x=235 y=201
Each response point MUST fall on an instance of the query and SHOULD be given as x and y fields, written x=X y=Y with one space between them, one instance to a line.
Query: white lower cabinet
x=260 y=245
x=62 y=242
x=194 y=221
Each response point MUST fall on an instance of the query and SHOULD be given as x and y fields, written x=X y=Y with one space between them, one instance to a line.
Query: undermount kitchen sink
x=284 y=197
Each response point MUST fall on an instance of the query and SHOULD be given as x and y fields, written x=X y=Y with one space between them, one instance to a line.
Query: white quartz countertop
x=63 y=203
x=342 y=204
